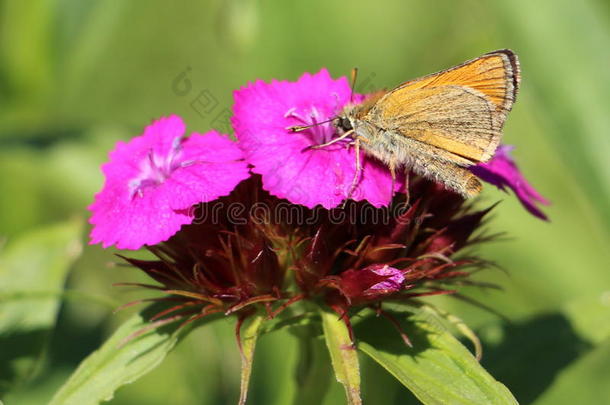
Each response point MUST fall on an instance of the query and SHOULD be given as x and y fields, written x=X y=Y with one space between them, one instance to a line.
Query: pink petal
x=502 y=171
x=307 y=177
x=144 y=203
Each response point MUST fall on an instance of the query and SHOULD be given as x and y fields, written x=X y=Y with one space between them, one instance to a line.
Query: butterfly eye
x=344 y=123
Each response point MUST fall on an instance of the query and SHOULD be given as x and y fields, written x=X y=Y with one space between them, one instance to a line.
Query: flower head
x=153 y=181
x=502 y=171
x=241 y=249
x=290 y=169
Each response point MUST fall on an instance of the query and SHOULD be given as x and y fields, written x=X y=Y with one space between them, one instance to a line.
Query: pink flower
x=263 y=112
x=153 y=181
x=502 y=171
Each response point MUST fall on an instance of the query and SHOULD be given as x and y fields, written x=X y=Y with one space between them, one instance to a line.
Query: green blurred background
x=76 y=76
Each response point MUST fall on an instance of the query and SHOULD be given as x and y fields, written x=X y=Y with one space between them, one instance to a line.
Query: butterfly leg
x=407 y=188
x=392 y=167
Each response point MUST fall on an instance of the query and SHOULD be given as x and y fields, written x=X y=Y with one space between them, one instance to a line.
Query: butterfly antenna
x=354 y=76
x=299 y=128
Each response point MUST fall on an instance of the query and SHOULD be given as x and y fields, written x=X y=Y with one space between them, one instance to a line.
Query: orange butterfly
x=440 y=124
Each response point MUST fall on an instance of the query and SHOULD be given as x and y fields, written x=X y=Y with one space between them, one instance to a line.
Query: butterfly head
x=343 y=123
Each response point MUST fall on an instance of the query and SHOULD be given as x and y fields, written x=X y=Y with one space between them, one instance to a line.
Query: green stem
x=343 y=355
x=247 y=331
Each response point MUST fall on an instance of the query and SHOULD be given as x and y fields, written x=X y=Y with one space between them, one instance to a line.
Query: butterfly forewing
x=461 y=110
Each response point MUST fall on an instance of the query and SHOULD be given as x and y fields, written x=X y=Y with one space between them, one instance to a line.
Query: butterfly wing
x=461 y=110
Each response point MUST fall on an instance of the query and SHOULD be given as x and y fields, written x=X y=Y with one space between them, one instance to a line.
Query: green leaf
x=248 y=333
x=121 y=360
x=463 y=328
x=33 y=269
x=343 y=355
x=438 y=369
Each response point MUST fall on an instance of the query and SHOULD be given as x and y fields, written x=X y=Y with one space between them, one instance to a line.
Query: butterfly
x=437 y=125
